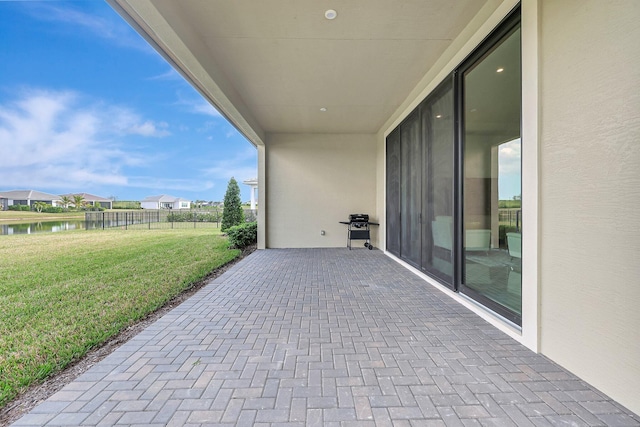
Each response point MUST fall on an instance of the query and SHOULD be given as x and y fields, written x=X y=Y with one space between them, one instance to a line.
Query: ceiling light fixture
x=330 y=14
x=499 y=70
x=323 y=109
x=439 y=116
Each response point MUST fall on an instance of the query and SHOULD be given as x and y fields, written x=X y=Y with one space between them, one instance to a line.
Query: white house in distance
x=165 y=202
x=429 y=116
x=27 y=198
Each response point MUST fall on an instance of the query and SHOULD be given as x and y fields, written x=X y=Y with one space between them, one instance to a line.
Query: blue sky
x=87 y=106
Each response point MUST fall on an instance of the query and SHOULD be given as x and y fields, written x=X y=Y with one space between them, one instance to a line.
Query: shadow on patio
x=325 y=337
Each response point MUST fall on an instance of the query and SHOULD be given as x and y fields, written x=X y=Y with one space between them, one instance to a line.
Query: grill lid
x=358 y=218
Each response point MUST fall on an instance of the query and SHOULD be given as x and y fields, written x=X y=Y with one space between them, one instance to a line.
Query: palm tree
x=66 y=201
x=78 y=201
x=39 y=206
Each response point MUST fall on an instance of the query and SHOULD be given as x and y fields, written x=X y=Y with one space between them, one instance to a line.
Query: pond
x=42 y=226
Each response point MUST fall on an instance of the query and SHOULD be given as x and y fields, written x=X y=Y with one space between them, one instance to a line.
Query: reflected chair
x=514 y=243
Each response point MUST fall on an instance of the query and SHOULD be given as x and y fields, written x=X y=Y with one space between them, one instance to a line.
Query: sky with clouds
x=86 y=105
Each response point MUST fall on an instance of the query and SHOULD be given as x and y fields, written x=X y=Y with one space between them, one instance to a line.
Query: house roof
x=88 y=197
x=163 y=198
x=28 y=195
x=270 y=67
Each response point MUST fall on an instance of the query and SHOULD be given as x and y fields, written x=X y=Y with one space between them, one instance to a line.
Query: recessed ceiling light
x=323 y=109
x=330 y=14
x=439 y=116
x=499 y=70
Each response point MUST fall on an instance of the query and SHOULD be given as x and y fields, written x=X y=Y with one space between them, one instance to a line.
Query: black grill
x=359 y=229
x=359 y=220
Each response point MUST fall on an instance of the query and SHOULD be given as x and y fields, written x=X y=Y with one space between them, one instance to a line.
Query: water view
x=42 y=227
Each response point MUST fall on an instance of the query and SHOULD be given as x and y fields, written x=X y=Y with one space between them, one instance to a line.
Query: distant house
x=92 y=200
x=165 y=202
x=27 y=198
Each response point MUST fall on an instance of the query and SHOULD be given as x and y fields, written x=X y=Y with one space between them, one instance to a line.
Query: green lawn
x=63 y=293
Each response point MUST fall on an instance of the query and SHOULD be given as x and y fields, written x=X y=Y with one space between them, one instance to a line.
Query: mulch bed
x=38 y=393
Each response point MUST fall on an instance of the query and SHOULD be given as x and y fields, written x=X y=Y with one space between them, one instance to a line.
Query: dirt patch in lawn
x=38 y=393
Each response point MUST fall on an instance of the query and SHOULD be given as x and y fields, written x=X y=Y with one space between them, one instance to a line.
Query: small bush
x=192 y=217
x=19 y=208
x=53 y=209
x=243 y=235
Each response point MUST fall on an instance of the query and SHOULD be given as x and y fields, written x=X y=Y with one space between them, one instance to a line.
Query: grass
x=62 y=294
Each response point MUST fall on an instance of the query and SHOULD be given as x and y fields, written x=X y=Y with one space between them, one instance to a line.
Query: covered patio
x=325 y=337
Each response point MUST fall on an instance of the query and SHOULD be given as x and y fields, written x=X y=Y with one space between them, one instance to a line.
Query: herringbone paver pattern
x=325 y=337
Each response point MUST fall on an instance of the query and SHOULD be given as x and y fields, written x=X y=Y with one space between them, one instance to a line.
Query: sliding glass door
x=453 y=178
x=490 y=84
x=437 y=117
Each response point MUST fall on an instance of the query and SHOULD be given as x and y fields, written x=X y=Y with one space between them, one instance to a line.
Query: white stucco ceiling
x=270 y=66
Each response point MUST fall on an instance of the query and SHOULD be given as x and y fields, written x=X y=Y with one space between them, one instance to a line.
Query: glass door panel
x=438 y=126
x=393 y=192
x=410 y=189
x=491 y=270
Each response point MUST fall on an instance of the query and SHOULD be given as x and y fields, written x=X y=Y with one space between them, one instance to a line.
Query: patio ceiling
x=270 y=66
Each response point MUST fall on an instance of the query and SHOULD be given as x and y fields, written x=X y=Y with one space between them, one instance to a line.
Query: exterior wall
x=590 y=192
x=149 y=205
x=314 y=181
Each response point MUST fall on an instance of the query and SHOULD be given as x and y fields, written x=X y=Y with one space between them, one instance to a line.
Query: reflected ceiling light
x=323 y=109
x=330 y=14
x=439 y=116
x=473 y=110
x=499 y=70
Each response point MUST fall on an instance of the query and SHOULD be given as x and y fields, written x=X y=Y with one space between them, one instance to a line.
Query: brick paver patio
x=325 y=337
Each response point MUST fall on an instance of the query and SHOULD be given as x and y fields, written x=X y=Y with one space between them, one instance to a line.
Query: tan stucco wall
x=313 y=182
x=590 y=192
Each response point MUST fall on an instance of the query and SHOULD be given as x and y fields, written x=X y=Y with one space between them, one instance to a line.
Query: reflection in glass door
x=491 y=87
x=438 y=126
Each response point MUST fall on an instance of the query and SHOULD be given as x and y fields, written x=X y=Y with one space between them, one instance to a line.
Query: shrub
x=53 y=209
x=243 y=235
x=232 y=213
x=125 y=204
x=192 y=217
x=19 y=208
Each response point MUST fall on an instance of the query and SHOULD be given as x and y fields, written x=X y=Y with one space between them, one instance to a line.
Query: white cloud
x=203 y=107
x=114 y=30
x=196 y=105
x=169 y=184
x=59 y=140
x=171 y=74
x=243 y=166
x=127 y=122
x=509 y=157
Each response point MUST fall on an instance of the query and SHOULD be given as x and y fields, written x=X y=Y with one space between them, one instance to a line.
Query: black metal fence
x=157 y=219
x=152 y=219
x=511 y=217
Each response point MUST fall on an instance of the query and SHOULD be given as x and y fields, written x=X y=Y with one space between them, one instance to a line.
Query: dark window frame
x=503 y=30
